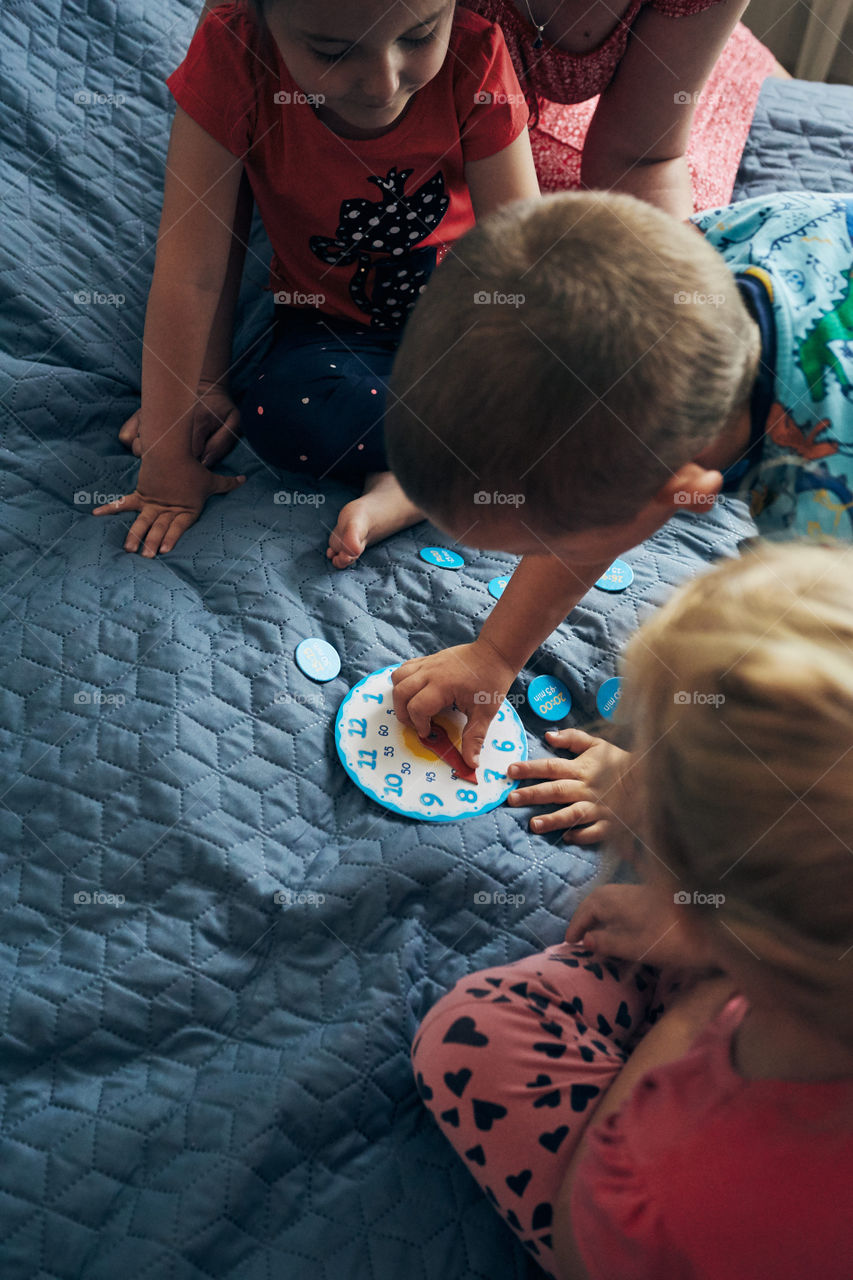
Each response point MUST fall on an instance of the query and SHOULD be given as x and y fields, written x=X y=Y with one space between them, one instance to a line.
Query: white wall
x=781 y=25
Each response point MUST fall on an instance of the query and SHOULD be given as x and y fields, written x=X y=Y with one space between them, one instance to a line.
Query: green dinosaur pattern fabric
x=799 y=246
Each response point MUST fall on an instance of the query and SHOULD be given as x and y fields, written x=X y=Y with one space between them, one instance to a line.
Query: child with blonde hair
x=669 y=1092
x=372 y=135
x=646 y=366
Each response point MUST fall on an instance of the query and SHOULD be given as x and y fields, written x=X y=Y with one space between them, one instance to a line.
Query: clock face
x=388 y=761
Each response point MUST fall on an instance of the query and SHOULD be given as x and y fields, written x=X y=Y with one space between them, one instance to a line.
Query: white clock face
x=390 y=764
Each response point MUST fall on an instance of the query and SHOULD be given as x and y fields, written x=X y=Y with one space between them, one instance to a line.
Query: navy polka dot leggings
x=318 y=399
x=512 y=1061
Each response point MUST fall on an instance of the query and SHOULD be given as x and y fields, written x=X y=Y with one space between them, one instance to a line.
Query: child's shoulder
x=472 y=31
x=234 y=19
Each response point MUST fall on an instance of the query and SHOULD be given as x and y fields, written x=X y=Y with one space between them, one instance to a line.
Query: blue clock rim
x=410 y=813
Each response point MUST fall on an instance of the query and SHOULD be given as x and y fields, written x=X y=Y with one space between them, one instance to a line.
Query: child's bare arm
x=200 y=198
x=498 y=179
x=475 y=677
x=216 y=419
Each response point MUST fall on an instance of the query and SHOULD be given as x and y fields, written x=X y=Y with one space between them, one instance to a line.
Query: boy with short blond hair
x=647 y=369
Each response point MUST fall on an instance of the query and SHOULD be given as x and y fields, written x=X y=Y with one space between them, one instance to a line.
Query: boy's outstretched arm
x=194 y=242
x=475 y=677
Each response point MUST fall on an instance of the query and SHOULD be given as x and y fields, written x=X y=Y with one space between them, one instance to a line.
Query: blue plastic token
x=619 y=576
x=441 y=557
x=549 y=698
x=317 y=659
x=608 y=696
x=497 y=587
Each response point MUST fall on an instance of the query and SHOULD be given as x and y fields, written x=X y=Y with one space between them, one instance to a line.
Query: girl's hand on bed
x=592 y=787
x=168 y=500
x=639 y=922
x=215 y=427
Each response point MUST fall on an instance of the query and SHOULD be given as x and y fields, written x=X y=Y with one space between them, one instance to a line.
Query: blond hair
x=739 y=695
x=578 y=349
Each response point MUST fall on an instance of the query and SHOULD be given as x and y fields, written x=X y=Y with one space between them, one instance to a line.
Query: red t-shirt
x=703 y=1175
x=357 y=223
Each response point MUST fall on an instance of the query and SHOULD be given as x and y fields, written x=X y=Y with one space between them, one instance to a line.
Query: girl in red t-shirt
x=690 y=1122
x=372 y=134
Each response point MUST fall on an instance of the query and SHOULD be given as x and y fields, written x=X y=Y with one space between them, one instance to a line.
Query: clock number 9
x=428 y=799
x=502 y=746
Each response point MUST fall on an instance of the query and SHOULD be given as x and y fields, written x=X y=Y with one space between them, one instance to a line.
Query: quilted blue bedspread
x=214 y=949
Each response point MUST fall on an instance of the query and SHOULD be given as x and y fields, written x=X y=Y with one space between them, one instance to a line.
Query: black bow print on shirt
x=391 y=227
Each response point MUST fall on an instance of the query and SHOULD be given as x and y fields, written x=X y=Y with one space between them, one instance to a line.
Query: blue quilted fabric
x=801 y=139
x=198 y=1078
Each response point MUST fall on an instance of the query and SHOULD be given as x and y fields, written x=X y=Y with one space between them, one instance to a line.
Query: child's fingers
x=574 y=740
x=129 y=502
x=561 y=791
x=612 y=941
x=129 y=431
x=138 y=530
x=426 y=703
x=586 y=915
x=551 y=767
x=474 y=733
x=222 y=441
x=225 y=484
x=561 y=819
x=179 y=525
x=156 y=533
x=593 y=834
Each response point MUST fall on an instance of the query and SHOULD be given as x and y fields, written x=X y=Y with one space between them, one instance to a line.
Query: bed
x=214 y=949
